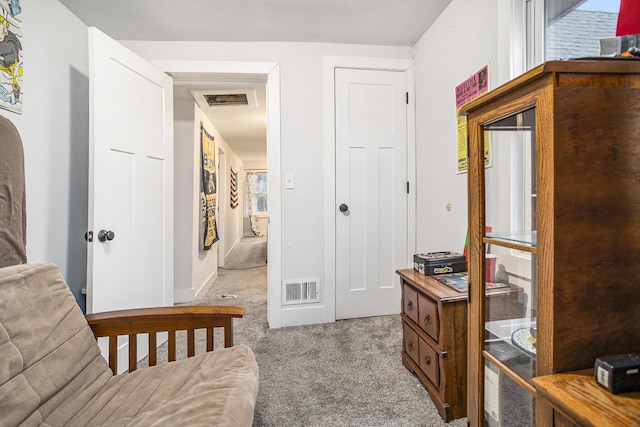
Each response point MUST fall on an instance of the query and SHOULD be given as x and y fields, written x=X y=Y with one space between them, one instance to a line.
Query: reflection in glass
x=506 y=404
x=510 y=261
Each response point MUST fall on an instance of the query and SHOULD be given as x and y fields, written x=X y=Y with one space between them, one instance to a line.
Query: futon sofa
x=52 y=372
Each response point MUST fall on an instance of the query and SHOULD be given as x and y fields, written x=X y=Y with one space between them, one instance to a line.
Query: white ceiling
x=375 y=22
x=243 y=127
x=378 y=22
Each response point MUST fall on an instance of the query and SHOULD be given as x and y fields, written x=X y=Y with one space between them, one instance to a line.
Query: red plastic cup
x=490 y=267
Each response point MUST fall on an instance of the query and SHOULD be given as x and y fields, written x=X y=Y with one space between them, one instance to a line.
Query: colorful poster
x=462 y=144
x=475 y=85
x=11 y=55
x=208 y=193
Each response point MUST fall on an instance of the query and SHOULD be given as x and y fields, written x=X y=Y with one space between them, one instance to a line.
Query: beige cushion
x=48 y=354
x=13 y=213
x=212 y=389
x=52 y=373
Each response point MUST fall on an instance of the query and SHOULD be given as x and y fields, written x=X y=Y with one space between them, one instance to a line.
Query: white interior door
x=130 y=181
x=371 y=190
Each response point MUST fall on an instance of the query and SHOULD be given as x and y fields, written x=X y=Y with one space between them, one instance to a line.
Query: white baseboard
x=231 y=248
x=190 y=295
x=303 y=315
x=206 y=285
x=183 y=295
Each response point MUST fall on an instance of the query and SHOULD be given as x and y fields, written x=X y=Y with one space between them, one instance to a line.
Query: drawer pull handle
x=410 y=346
x=427 y=319
x=410 y=306
x=427 y=360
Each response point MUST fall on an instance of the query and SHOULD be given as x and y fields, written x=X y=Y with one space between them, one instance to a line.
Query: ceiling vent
x=221 y=97
x=226 y=99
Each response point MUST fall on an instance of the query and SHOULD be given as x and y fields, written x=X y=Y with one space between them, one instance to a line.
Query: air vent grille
x=300 y=291
x=227 y=99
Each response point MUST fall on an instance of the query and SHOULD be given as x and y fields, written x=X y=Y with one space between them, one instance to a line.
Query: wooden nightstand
x=434 y=322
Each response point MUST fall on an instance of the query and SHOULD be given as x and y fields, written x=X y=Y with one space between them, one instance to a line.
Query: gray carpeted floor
x=347 y=373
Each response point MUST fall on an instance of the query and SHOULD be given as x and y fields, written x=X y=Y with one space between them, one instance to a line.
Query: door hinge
x=407 y=98
x=407 y=187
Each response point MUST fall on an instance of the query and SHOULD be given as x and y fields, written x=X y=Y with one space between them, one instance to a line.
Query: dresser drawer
x=434 y=319
x=410 y=302
x=410 y=343
x=428 y=316
x=429 y=362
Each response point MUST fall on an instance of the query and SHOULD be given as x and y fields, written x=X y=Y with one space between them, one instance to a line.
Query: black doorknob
x=104 y=235
x=344 y=208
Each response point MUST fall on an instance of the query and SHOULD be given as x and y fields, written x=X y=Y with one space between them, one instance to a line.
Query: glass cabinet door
x=510 y=269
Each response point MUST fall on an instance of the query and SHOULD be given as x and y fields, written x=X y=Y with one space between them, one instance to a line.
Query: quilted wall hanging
x=208 y=194
x=234 y=189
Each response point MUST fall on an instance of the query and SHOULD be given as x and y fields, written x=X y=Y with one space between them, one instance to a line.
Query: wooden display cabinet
x=554 y=171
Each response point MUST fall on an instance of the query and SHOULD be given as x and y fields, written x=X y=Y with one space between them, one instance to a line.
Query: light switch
x=288 y=181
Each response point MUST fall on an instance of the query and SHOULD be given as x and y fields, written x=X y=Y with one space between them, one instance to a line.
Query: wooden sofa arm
x=162 y=319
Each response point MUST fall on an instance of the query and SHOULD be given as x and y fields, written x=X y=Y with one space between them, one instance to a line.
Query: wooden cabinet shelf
x=576 y=400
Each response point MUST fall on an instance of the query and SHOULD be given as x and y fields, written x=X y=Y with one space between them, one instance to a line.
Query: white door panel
x=371 y=147
x=130 y=182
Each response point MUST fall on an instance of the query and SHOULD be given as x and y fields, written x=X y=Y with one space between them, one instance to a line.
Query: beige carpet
x=346 y=373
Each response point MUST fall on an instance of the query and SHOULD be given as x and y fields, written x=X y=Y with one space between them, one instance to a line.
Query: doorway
x=332 y=208
x=222 y=203
x=204 y=71
x=371 y=191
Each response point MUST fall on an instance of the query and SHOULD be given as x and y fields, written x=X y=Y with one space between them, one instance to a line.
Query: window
x=257 y=193
x=559 y=29
x=574 y=27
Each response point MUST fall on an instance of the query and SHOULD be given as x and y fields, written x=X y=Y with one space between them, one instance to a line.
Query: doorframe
x=274 y=242
x=330 y=63
x=223 y=200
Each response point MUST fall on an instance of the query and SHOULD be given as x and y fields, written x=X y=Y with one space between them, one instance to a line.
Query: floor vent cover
x=300 y=291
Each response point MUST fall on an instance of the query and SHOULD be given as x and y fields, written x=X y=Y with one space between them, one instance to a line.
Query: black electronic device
x=619 y=373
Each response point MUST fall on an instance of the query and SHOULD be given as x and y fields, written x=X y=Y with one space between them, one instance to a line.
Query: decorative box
x=433 y=263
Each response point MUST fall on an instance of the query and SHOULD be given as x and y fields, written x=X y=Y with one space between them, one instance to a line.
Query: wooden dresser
x=574 y=399
x=434 y=322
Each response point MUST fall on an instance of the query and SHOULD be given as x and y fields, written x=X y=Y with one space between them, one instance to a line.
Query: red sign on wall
x=473 y=86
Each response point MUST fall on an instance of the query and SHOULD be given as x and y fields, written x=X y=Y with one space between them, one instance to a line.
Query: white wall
x=467 y=36
x=185 y=181
x=205 y=263
x=54 y=126
x=301 y=84
x=233 y=216
x=255 y=165
x=196 y=269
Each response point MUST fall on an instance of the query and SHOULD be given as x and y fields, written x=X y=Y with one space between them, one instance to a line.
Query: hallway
x=243 y=281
